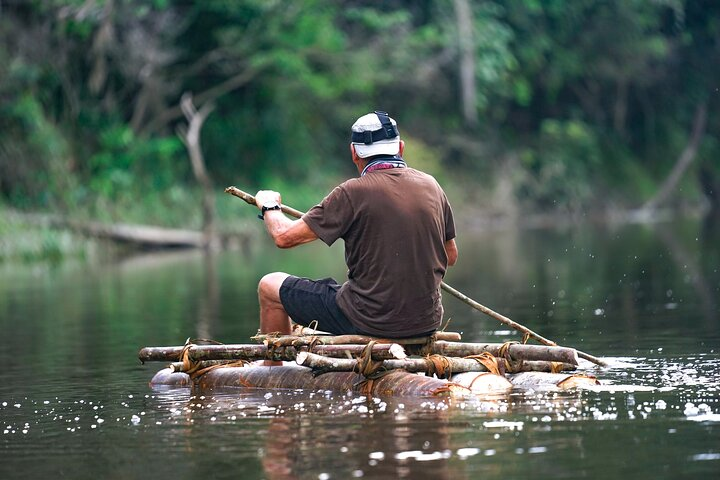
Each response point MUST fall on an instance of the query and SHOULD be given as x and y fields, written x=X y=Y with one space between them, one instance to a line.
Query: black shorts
x=306 y=300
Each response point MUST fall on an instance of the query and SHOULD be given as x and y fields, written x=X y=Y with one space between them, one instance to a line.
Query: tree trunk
x=191 y=138
x=620 y=107
x=102 y=41
x=468 y=87
x=139 y=234
x=206 y=97
x=683 y=162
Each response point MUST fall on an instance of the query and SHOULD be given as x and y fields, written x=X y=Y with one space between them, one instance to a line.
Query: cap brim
x=383 y=147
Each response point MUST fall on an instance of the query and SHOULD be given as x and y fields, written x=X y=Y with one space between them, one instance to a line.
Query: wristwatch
x=268 y=206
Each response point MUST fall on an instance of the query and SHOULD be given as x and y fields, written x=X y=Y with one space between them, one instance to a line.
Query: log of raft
x=438 y=365
x=516 y=351
x=300 y=330
x=289 y=376
x=563 y=381
x=297 y=340
x=447 y=365
x=262 y=352
x=394 y=383
x=328 y=362
x=380 y=351
x=482 y=383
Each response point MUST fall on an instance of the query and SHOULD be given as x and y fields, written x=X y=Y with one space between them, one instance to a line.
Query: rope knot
x=488 y=360
x=511 y=365
x=438 y=365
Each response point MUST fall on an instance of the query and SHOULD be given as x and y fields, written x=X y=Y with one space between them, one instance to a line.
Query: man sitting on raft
x=399 y=235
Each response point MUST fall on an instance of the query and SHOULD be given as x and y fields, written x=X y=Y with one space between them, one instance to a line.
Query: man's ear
x=402 y=147
x=355 y=157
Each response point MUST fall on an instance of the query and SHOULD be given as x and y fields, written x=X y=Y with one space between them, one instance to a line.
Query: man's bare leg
x=273 y=317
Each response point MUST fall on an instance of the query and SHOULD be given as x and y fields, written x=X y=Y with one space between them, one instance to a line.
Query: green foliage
x=123 y=159
x=558 y=172
x=424 y=157
x=594 y=97
x=22 y=242
x=495 y=59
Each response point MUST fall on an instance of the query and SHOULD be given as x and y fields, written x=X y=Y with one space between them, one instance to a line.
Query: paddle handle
x=251 y=200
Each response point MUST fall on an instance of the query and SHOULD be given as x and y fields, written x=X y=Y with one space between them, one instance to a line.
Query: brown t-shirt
x=395 y=223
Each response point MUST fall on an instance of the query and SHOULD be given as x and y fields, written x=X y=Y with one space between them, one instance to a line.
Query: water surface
x=75 y=402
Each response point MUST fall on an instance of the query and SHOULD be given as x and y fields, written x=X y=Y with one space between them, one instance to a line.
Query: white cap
x=370 y=123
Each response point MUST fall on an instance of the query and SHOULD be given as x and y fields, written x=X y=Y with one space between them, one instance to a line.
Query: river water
x=75 y=402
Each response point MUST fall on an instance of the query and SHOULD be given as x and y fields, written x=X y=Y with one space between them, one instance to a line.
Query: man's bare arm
x=287 y=233
x=452 y=252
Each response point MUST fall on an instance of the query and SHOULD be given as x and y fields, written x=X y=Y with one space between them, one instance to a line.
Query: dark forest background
x=127 y=110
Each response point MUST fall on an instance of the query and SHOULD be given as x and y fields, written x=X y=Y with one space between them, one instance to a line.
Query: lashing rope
x=370 y=369
x=438 y=365
x=556 y=367
x=194 y=368
x=511 y=365
x=488 y=360
x=230 y=363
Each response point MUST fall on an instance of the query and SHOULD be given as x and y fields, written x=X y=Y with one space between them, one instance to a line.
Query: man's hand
x=264 y=196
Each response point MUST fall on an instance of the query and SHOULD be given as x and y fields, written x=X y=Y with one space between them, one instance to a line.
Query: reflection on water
x=73 y=394
x=301 y=434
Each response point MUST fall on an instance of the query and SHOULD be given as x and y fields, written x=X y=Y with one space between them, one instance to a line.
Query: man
x=399 y=238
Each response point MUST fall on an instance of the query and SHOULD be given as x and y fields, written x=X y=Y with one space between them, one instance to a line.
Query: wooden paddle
x=477 y=306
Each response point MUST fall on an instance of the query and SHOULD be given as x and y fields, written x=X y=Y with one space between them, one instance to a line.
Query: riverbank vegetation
x=525 y=106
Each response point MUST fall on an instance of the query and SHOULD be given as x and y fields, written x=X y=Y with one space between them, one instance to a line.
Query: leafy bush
x=559 y=171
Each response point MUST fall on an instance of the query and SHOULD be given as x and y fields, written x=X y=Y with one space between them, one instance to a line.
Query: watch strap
x=264 y=209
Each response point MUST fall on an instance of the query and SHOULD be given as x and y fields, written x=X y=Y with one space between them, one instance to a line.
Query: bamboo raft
x=439 y=365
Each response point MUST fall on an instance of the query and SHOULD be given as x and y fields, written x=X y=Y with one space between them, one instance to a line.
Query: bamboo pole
x=262 y=352
x=501 y=318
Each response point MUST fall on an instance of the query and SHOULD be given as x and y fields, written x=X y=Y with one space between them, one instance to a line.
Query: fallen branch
x=683 y=162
